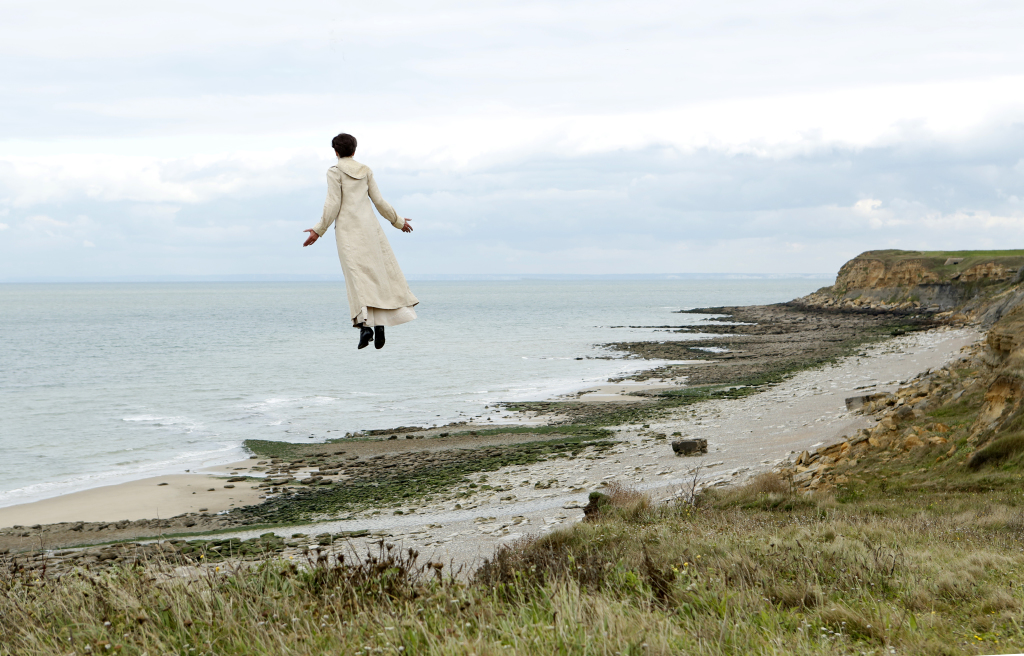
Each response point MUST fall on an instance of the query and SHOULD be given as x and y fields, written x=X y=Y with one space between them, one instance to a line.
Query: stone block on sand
x=690 y=447
x=857 y=402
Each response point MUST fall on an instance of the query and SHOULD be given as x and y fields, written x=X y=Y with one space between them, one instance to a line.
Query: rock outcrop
x=957 y=284
x=983 y=389
x=898 y=430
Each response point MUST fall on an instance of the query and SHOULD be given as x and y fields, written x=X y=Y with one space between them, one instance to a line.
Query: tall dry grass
x=758 y=554
x=733 y=574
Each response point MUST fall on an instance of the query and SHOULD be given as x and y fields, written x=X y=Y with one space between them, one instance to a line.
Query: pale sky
x=192 y=138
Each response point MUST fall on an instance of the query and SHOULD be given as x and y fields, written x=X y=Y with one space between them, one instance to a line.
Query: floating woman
x=378 y=294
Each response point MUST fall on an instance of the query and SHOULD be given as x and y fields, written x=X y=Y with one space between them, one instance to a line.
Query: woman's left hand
x=407 y=227
x=311 y=239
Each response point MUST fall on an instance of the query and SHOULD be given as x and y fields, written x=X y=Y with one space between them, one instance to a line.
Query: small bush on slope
x=998 y=450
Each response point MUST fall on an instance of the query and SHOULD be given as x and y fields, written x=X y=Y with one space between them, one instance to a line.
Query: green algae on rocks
x=387 y=481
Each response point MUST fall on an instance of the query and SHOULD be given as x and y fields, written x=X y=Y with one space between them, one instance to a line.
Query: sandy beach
x=148 y=498
x=622 y=392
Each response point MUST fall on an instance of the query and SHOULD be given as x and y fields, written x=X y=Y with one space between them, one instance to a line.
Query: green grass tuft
x=998 y=450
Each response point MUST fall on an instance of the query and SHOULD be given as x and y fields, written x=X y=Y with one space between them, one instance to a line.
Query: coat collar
x=352 y=168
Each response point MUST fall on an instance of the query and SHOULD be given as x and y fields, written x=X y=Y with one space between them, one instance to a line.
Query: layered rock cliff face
x=865 y=272
x=1005 y=340
x=922 y=280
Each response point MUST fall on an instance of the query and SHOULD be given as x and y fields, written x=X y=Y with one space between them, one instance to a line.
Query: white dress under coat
x=378 y=294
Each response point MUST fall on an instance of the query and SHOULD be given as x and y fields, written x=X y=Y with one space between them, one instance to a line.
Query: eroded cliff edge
x=956 y=286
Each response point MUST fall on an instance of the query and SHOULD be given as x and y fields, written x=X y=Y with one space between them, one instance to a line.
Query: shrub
x=998 y=450
x=767 y=491
x=629 y=503
x=768 y=483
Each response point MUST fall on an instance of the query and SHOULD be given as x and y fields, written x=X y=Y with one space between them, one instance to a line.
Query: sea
x=102 y=383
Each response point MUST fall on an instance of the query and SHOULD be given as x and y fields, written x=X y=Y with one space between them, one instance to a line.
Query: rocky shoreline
x=975 y=391
x=860 y=491
x=764 y=342
x=408 y=469
x=487 y=509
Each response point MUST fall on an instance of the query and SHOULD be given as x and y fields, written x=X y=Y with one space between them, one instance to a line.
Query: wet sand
x=148 y=498
x=622 y=392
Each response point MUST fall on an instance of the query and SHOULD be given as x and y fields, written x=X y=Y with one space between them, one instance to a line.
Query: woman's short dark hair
x=344 y=145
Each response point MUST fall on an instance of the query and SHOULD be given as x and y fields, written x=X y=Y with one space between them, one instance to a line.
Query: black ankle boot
x=378 y=337
x=365 y=336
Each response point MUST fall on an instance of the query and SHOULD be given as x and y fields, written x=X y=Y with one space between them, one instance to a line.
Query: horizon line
x=422 y=277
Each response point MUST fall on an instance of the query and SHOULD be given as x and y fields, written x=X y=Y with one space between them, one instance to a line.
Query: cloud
x=32 y=181
x=127 y=71
x=867 y=206
x=652 y=209
x=521 y=137
x=45 y=222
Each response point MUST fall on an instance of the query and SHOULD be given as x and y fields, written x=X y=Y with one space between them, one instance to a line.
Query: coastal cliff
x=961 y=285
x=968 y=414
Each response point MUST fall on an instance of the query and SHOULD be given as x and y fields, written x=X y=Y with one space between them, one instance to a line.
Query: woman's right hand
x=311 y=239
x=406 y=227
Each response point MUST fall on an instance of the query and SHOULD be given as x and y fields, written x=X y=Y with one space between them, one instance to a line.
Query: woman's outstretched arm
x=332 y=206
x=384 y=207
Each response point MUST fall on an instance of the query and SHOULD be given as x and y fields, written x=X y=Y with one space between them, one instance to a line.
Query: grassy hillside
x=759 y=569
x=971 y=257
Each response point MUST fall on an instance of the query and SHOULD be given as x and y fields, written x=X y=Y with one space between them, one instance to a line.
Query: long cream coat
x=372 y=277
